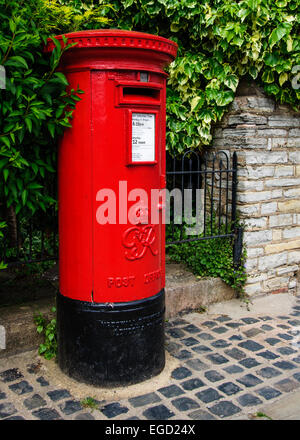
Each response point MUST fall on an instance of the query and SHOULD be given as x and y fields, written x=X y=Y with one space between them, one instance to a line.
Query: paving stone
x=185 y=404
x=143 y=400
x=181 y=373
x=220 y=330
x=268 y=393
x=85 y=416
x=285 y=336
x=249 y=320
x=176 y=333
x=223 y=318
x=235 y=353
x=233 y=369
x=15 y=418
x=34 y=368
x=286 y=385
x=201 y=349
x=216 y=358
x=160 y=412
x=229 y=388
x=297 y=376
x=272 y=341
x=220 y=343
x=188 y=342
x=249 y=400
x=233 y=324
x=236 y=338
x=286 y=351
x=192 y=384
x=42 y=381
x=22 y=387
x=188 y=334
x=191 y=329
x=172 y=347
x=208 y=395
x=268 y=355
x=70 y=407
x=250 y=345
x=34 y=401
x=268 y=372
x=267 y=327
x=265 y=318
x=206 y=337
x=224 y=409
x=58 y=394
x=200 y=414
x=285 y=365
x=46 y=414
x=7 y=409
x=171 y=391
x=113 y=410
x=183 y=354
x=209 y=324
x=11 y=375
x=249 y=363
x=179 y=321
x=133 y=418
x=296 y=359
x=283 y=317
x=196 y=364
x=294 y=322
x=252 y=332
x=283 y=326
x=213 y=376
x=249 y=380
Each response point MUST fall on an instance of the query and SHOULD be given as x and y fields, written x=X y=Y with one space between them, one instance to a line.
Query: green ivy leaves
x=209 y=258
x=47 y=327
x=34 y=107
x=219 y=42
x=279 y=32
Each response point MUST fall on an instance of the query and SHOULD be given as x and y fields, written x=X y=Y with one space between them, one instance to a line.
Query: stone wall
x=267 y=138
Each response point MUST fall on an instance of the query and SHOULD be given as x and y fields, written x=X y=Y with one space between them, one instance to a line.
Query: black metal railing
x=30 y=239
x=212 y=183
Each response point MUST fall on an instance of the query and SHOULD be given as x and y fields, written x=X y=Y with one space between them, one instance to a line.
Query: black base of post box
x=111 y=344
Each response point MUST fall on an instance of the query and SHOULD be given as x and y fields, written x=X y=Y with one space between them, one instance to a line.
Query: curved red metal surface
x=123 y=79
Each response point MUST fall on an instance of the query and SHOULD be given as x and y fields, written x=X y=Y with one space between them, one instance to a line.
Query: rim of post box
x=115 y=39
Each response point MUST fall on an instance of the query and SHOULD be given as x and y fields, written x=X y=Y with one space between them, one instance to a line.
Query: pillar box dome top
x=116 y=49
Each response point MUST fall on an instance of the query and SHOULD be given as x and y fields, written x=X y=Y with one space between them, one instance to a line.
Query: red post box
x=110 y=308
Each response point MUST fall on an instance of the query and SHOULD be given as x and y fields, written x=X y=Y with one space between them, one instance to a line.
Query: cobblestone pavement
x=226 y=369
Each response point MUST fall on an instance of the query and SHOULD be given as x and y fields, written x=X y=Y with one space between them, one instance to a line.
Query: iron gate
x=215 y=175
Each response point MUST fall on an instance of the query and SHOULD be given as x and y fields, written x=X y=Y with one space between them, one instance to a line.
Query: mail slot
x=135 y=94
x=110 y=306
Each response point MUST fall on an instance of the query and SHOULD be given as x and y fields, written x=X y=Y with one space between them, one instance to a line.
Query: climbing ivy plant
x=220 y=41
x=36 y=104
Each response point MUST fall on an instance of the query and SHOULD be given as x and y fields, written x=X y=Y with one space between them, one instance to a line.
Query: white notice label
x=143 y=137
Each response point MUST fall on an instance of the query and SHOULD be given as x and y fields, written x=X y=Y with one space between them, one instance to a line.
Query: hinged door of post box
x=128 y=156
